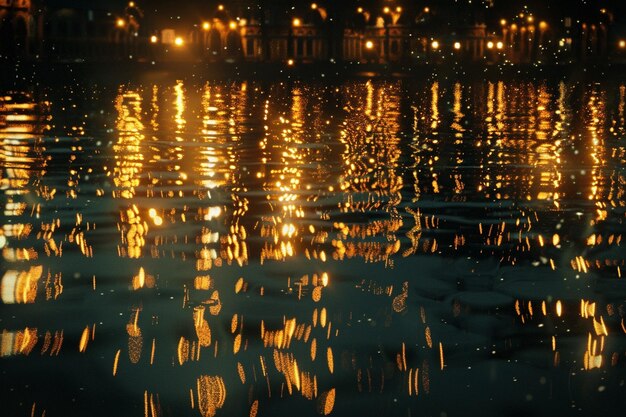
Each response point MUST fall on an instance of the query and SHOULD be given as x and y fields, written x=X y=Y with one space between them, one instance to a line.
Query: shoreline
x=30 y=72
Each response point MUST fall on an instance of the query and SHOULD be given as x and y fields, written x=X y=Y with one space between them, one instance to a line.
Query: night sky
x=166 y=12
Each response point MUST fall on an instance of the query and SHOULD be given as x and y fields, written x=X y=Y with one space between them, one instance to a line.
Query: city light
x=290 y=62
x=524 y=35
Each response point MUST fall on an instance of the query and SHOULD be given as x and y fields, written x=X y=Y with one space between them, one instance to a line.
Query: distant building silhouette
x=485 y=31
x=18 y=26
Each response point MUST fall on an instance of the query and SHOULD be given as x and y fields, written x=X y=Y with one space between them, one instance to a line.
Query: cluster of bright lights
x=497 y=45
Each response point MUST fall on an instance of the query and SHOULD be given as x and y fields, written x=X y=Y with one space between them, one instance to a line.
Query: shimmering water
x=364 y=247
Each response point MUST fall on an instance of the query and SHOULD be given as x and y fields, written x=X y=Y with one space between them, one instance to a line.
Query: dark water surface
x=353 y=248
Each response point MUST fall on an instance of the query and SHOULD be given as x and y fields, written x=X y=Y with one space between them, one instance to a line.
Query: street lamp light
x=434 y=45
x=120 y=23
x=154 y=39
x=369 y=45
x=457 y=45
x=179 y=41
x=622 y=44
x=296 y=22
x=499 y=45
x=206 y=26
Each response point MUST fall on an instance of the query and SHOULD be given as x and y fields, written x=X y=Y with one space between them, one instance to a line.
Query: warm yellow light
x=179 y=41
x=206 y=26
x=296 y=22
x=513 y=26
x=359 y=10
x=290 y=62
x=386 y=9
x=530 y=19
x=232 y=25
x=153 y=39
x=499 y=45
x=220 y=7
x=543 y=25
x=622 y=44
x=489 y=45
x=369 y=45
x=426 y=9
x=131 y=4
x=434 y=44
x=457 y=45
x=502 y=22
x=399 y=9
x=120 y=23
x=313 y=6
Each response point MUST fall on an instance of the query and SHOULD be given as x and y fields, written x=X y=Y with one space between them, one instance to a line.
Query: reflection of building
x=127 y=173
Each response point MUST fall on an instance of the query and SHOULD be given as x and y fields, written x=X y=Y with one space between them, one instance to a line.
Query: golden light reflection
x=20 y=342
x=20 y=287
x=478 y=172
x=369 y=180
x=127 y=172
x=285 y=156
x=211 y=393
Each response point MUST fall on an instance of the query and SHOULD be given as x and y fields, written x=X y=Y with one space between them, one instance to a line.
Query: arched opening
x=7 y=47
x=395 y=47
x=233 y=43
x=215 y=42
x=21 y=35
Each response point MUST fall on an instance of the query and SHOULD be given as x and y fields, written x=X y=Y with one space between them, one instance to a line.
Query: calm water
x=365 y=248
